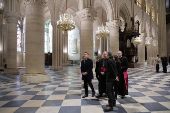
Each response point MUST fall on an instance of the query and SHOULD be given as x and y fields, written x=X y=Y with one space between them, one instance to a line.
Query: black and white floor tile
x=149 y=92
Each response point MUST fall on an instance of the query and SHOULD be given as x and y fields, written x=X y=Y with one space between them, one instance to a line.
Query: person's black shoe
x=122 y=97
x=93 y=94
x=84 y=96
x=107 y=109
x=108 y=105
x=114 y=103
x=98 y=96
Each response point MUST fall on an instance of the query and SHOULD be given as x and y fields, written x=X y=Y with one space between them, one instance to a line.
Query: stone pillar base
x=79 y=71
x=35 y=78
x=65 y=64
x=11 y=71
x=142 y=63
x=134 y=65
x=57 y=68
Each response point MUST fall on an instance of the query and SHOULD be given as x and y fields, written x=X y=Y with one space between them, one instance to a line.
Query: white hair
x=120 y=51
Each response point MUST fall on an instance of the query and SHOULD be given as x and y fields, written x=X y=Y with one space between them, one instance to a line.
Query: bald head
x=119 y=54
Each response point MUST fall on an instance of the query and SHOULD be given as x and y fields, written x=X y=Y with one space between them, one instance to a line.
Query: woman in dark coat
x=118 y=64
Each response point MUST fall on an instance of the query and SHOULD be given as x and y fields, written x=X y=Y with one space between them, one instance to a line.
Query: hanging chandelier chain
x=66 y=5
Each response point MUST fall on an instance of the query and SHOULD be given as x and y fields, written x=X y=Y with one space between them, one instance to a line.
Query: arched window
x=18 y=37
x=48 y=37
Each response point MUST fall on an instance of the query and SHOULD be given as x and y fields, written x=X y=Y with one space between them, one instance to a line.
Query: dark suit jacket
x=111 y=70
x=87 y=66
x=164 y=61
x=124 y=63
x=118 y=68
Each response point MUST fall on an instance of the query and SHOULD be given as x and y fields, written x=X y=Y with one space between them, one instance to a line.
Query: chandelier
x=66 y=22
x=102 y=31
x=137 y=41
x=147 y=43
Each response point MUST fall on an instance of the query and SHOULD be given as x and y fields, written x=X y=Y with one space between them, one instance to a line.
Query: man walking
x=87 y=74
x=111 y=76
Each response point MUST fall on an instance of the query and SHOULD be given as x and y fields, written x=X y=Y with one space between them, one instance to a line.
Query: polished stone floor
x=149 y=92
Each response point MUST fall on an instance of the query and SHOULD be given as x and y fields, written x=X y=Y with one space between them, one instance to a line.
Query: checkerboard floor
x=149 y=92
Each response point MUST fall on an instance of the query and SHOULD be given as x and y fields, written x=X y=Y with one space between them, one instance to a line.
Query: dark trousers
x=86 y=82
x=116 y=85
x=110 y=93
x=164 y=68
x=102 y=84
x=157 y=67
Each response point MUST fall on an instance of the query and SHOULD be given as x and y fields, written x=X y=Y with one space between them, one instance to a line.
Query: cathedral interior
x=42 y=43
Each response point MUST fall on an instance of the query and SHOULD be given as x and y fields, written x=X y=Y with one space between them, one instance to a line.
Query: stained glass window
x=18 y=38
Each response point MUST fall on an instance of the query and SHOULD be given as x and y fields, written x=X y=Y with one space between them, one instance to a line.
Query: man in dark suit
x=87 y=74
x=111 y=76
x=123 y=79
x=164 y=63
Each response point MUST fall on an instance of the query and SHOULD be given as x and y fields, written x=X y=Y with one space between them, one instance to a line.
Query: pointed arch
x=125 y=14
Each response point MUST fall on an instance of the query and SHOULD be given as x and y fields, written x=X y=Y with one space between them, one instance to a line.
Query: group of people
x=111 y=72
x=164 y=63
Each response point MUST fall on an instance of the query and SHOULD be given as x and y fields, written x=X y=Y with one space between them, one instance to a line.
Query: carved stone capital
x=12 y=17
x=54 y=23
x=87 y=14
x=34 y=2
x=114 y=24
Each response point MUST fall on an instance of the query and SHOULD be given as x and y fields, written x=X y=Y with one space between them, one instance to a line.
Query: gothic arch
x=125 y=14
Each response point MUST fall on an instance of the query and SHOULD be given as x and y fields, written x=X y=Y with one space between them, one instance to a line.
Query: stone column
x=65 y=49
x=149 y=48
x=34 y=56
x=86 y=41
x=162 y=39
x=1 y=41
x=141 y=49
x=114 y=35
x=57 y=49
x=11 y=59
x=108 y=43
x=101 y=46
